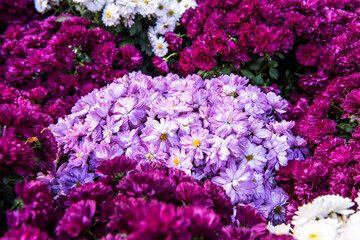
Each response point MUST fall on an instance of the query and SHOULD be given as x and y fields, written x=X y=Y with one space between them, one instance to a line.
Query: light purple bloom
x=161 y=133
x=237 y=180
x=197 y=143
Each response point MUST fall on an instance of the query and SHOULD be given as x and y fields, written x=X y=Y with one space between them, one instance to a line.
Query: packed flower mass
x=180 y=119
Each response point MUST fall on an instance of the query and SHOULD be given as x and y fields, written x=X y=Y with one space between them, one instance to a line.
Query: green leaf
x=255 y=66
x=274 y=74
x=274 y=64
x=247 y=73
x=61 y=19
x=280 y=55
x=258 y=80
x=119 y=28
x=226 y=71
x=136 y=27
x=145 y=46
x=86 y=14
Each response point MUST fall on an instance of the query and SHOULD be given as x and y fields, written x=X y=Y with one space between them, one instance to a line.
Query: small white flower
x=160 y=46
x=127 y=7
x=161 y=8
x=325 y=229
x=186 y=4
x=147 y=7
x=111 y=15
x=165 y=24
x=41 y=6
x=323 y=207
x=94 y=5
x=279 y=229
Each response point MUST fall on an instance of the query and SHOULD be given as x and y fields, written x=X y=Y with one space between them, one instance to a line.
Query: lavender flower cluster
x=60 y=59
x=220 y=129
x=131 y=200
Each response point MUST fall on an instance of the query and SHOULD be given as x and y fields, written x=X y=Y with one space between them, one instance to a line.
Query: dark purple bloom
x=76 y=219
x=191 y=194
x=34 y=203
x=25 y=232
x=15 y=154
x=147 y=184
x=204 y=222
x=249 y=217
x=92 y=190
x=115 y=169
x=186 y=62
x=222 y=203
x=160 y=64
x=174 y=41
x=105 y=53
x=130 y=57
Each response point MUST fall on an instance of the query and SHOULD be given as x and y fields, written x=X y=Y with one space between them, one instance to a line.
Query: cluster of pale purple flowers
x=221 y=129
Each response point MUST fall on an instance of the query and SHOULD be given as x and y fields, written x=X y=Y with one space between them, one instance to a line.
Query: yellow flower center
x=277 y=210
x=161 y=7
x=174 y=105
x=176 y=161
x=32 y=139
x=108 y=14
x=314 y=236
x=73 y=133
x=197 y=143
x=163 y=137
x=159 y=46
x=149 y=156
x=146 y=2
x=250 y=157
x=171 y=12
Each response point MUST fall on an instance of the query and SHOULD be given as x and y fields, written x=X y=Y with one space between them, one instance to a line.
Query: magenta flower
x=160 y=64
x=76 y=219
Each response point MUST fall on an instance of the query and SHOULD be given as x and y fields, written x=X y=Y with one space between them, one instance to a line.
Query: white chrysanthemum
x=111 y=15
x=127 y=7
x=357 y=200
x=279 y=229
x=173 y=10
x=323 y=207
x=94 y=5
x=147 y=7
x=186 y=4
x=80 y=1
x=325 y=229
x=164 y=25
x=152 y=36
x=41 y=5
x=160 y=46
x=161 y=8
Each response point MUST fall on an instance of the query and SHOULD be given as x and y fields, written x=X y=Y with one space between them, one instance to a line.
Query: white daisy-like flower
x=186 y=4
x=111 y=15
x=94 y=5
x=41 y=5
x=279 y=229
x=173 y=10
x=323 y=207
x=165 y=24
x=161 y=8
x=357 y=200
x=147 y=7
x=326 y=229
x=160 y=46
x=127 y=7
